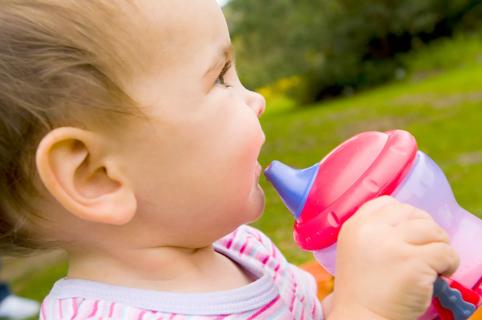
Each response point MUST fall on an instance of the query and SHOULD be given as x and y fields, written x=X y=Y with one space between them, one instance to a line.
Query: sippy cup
x=369 y=165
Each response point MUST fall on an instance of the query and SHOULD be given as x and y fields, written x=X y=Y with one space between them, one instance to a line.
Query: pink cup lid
x=369 y=165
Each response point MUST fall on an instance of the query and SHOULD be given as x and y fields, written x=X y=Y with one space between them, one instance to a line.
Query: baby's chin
x=253 y=210
x=256 y=204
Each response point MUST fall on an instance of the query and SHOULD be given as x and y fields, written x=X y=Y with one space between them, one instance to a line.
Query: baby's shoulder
x=254 y=251
x=249 y=243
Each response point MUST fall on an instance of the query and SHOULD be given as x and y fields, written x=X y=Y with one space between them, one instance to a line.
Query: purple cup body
x=427 y=188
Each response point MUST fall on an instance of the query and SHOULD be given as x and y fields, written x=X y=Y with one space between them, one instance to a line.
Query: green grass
x=443 y=110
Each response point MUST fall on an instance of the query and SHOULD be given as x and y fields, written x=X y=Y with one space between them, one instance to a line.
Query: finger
x=441 y=257
x=397 y=213
x=422 y=231
x=377 y=203
x=394 y=213
x=417 y=213
x=373 y=206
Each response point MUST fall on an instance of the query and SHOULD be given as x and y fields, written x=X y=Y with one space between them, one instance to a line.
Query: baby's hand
x=388 y=257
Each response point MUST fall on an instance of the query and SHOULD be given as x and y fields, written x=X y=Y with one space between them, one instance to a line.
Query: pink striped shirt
x=280 y=291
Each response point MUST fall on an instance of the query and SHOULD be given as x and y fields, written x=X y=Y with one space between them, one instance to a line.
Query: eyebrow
x=223 y=55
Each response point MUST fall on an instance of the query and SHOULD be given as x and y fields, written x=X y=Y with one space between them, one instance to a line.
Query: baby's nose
x=257 y=102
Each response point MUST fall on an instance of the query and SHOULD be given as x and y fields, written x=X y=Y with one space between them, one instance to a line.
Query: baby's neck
x=163 y=269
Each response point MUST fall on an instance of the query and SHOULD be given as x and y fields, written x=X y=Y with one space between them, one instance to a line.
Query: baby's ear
x=77 y=169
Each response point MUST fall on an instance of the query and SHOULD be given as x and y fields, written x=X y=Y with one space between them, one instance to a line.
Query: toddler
x=127 y=139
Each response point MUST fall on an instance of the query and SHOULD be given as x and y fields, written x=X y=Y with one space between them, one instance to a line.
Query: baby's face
x=194 y=166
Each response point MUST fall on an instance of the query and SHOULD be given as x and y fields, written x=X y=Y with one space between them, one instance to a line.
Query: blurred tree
x=336 y=45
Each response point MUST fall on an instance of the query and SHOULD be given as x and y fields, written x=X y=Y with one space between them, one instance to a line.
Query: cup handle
x=453 y=301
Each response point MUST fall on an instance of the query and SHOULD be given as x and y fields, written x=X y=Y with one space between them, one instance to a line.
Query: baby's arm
x=389 y=255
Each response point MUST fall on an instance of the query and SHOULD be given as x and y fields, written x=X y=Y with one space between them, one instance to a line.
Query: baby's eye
x=220 y=80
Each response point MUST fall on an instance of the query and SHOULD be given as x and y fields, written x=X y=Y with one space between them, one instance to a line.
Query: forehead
x=177 y=29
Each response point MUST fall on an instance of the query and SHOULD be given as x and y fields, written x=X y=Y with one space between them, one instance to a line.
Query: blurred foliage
x=337 y=46
x=289 y=88
x=443 y=54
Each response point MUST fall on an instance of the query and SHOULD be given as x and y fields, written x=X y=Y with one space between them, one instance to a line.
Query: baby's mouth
x=258 y=169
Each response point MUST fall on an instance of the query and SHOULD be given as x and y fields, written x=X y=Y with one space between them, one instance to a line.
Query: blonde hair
x=61 y=63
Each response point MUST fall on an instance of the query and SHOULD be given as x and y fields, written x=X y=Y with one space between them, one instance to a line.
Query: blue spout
x=293 y=185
